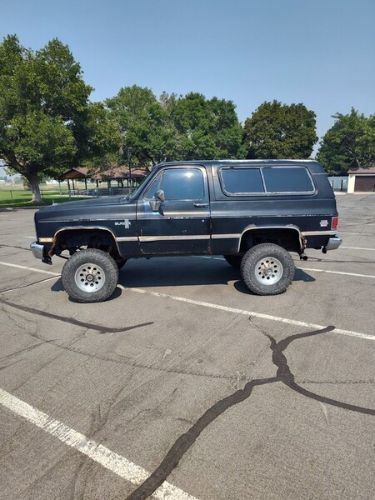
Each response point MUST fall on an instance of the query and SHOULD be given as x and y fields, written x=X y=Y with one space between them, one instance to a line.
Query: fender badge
x=125 y=223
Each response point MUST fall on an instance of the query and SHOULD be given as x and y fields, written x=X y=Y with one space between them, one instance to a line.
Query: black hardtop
x=312 y=165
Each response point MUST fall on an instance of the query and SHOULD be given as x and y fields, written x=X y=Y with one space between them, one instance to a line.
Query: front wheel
x=267 y=269
x=90 y=275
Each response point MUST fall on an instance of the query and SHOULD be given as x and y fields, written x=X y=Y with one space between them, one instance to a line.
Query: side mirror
x=160 y=195
x=156 y=203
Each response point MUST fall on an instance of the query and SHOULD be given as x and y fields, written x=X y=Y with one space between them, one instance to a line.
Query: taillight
x=334 y=223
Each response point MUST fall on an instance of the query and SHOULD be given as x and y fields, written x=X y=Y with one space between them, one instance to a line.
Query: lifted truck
x=254 y=212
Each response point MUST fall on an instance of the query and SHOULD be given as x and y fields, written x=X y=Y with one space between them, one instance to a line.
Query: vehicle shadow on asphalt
x=180 y=272
x=57 y=286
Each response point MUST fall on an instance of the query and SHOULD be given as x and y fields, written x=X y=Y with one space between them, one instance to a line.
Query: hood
x=93 y=209
x=103 y=201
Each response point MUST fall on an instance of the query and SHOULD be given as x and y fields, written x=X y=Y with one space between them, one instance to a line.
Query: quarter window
x=287 y=180
x=242 y=180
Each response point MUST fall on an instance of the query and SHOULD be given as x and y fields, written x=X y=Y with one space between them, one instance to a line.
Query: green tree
x=43 y=105
x=349 y=143
x=205 y=128
x=277 y=130
x=143 y=125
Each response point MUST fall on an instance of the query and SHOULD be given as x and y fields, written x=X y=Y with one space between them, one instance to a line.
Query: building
x=361 y=180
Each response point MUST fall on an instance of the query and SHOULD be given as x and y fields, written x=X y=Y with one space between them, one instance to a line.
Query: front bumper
x=37 y=250
x=333 y=243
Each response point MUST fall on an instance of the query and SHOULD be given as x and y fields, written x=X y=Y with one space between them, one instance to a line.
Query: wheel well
x=74 y=239
x=287 y=238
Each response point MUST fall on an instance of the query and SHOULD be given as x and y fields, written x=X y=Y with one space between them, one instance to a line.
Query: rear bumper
x=37 y=250
x=333 y=243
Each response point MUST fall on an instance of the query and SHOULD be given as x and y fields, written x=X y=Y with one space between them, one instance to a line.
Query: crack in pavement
x=2 y=245
x=6 y=290
x=186 y=440
x=119 y=359
x=72 y=321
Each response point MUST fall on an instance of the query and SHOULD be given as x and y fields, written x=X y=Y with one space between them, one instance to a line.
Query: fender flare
x=77 y=228
x=253 y=227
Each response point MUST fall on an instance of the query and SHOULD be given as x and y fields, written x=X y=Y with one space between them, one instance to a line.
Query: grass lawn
x=22 y=198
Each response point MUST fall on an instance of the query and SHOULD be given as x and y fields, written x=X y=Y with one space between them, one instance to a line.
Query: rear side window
x=244 y=181
x=239 y=181
x=287 y=180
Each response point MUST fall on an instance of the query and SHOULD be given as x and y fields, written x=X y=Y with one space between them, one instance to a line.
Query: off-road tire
x=234 y=260
x=93 y=256
x=250 y=268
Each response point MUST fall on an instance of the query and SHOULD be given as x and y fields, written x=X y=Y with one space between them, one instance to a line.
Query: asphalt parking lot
x=184 y=385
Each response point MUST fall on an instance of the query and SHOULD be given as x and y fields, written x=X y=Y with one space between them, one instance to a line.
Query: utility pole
x=129 y=151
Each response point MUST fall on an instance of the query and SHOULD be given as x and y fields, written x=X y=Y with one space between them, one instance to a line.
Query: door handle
x=201 y=205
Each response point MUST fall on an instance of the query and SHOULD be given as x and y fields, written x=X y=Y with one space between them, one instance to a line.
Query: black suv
x=253 y=212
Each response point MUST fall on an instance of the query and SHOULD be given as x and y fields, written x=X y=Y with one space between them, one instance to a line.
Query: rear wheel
x=90 y=275
x=267 y=269
x=234 y=260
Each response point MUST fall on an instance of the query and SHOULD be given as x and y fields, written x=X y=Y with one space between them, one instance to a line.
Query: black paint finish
x=213 y=224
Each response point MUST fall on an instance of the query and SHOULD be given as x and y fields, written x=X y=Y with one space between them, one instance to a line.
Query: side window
x=152 y=188
x=241 y=181
x=287 y=180
x=183 y=184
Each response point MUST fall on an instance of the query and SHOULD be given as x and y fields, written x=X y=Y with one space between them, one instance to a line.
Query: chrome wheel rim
x=89 y=277
x=268 y=271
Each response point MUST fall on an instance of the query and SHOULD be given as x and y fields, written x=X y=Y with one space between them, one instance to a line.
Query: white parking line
x=336 y=272
x=254 y=314
x=34 y=269
x=358 y=248
x=269 y=317
x=371 y=276
x=102 y=455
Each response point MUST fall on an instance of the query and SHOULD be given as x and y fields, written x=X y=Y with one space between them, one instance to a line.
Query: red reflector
x=334 y=223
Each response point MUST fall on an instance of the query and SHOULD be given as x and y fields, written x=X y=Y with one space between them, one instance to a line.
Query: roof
x=362 y=171
x=214 y=162
x=241 y=163
x=112 y=173
x=118 y=172
x=75 y=173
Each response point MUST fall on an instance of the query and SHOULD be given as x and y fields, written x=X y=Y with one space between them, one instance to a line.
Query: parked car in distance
x=253 y=212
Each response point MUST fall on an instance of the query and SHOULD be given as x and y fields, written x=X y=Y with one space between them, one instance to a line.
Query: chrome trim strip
x=318 y=233
x=183 y=214
x=127 y=238
x=226 y=235
x=179 y=215
x=145 y=239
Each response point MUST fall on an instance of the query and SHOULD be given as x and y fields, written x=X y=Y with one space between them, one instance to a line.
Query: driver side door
x=181 y=225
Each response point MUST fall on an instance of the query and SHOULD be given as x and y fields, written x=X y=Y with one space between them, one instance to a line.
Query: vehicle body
x=223 y=207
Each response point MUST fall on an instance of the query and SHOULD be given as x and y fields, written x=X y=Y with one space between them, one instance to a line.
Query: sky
x=318 y=52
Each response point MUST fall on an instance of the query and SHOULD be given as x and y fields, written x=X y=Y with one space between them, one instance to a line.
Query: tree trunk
x=34 y=184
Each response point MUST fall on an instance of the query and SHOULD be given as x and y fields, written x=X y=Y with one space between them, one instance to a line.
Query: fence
x=339 y=183
x=102 y=191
